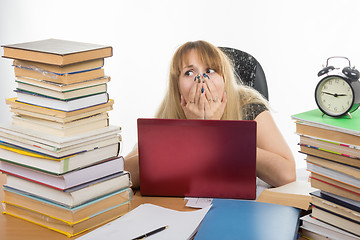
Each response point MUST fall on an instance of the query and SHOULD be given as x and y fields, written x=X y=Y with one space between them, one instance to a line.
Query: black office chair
x=248 y=69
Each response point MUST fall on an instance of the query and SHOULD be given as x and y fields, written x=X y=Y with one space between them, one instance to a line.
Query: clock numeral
x=337 y=81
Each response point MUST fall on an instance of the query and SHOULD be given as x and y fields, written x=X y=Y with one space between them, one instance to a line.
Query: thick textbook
x=62 y=87
x=62 y=94
x=333 y=174
x=52 y=165
x=336 y=220
x=316 y=152
x=351 y=151
x=62 y=105
x=331 y=185
x=333 y=165
x=63 y=78
x=295 y=194
x=56 y=115
x=109 y=146
x=72 y=215
x=69 y=229
x=337 y=204
x=63 y=129
x=67 y=180
x=56 y=51
x=49 y=68
x=57 y=146
x=324 y=133
x=324 y=229
x=241 y=219
x=75 y=196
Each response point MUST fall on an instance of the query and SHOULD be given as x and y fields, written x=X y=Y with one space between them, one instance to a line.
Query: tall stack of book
x=332 y=148
x=59 y=154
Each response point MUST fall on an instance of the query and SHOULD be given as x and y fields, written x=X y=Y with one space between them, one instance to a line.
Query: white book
x=336 y=220
x=66 y=151
x=58 y=165
x=61 y=87
x=74 y=197
x=55 y=143
x=342 y=177
x=69 y=179
x=63 y=95
x=326 y=230
x=62 y=105
x=63 y=129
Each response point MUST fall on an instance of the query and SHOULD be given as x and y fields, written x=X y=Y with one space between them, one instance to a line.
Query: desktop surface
x=12 y=228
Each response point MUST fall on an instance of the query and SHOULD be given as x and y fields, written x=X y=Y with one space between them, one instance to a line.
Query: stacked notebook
x=332 y=148
x=59 y=153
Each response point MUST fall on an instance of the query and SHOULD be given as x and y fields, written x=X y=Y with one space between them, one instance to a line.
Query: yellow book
x=69 y=229
x=69 y=216
x=56 y=115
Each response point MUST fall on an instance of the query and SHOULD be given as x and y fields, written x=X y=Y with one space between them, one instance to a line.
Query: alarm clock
x=338 y=92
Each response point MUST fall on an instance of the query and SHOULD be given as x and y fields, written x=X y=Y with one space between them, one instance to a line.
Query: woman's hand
x=215 y=100
x=194 y=106
x=204 y=101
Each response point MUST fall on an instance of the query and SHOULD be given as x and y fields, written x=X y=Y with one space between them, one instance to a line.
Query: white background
x=291 y=40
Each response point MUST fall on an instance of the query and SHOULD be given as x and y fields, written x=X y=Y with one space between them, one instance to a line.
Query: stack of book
x=59 y=153
x=332 y=148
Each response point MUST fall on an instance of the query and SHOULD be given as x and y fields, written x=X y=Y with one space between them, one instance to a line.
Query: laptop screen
x=197 y=158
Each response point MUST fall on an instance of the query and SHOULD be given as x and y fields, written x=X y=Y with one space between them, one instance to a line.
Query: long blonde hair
x=237 y=95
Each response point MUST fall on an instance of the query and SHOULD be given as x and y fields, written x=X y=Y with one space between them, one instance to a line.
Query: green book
x=343 y=124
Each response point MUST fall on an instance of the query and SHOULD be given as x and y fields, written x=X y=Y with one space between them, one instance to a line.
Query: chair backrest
x=248 y=69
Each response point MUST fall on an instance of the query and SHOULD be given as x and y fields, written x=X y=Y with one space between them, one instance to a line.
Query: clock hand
x=329 y=93
x=334 y=94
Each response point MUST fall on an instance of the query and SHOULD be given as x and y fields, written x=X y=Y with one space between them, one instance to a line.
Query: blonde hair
x=237 y=95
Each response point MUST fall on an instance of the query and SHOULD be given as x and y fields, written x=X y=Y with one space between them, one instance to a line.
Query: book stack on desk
x=59 y=154
x=332 y=148
x=61 y=86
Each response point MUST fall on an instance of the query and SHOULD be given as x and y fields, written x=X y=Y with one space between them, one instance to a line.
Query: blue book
x=250 y=220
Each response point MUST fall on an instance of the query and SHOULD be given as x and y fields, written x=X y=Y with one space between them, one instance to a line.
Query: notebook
x=197 y=158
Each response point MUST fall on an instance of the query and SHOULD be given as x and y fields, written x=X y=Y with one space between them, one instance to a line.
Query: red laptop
x=197 y=158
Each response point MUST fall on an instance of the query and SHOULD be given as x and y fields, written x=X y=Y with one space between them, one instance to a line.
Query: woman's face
x=193 y=67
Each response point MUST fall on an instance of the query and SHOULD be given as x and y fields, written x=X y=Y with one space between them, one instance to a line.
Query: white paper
x=148 y=217
x=198 y=202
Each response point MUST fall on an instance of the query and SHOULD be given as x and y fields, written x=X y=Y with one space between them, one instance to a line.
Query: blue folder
x=250 y=220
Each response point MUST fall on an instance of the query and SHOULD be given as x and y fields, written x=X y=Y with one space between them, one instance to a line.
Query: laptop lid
x=197 y=158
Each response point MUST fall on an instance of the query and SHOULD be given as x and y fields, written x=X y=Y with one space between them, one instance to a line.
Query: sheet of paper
x=198 y=202
x=148 y=217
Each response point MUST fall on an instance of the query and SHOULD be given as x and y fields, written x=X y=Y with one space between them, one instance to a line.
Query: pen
x=150 y=233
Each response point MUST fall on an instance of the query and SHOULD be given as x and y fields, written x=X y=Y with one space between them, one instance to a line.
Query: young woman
x=202 y=85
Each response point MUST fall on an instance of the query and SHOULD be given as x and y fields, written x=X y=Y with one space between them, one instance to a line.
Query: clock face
x=334 y=96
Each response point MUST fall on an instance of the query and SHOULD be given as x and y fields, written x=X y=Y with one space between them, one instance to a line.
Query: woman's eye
x=209 y=70
x=189 y=73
